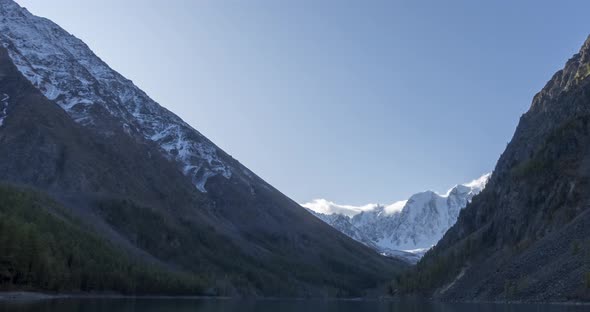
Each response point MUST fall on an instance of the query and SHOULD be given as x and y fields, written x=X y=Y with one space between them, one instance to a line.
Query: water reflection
x=206 y=305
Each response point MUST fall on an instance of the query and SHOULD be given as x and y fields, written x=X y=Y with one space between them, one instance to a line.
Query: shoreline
x=15 y=296
x=32 y=296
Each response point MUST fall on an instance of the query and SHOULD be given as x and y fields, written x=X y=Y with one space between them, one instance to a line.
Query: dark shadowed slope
x=42 y=247
x=527 y=235
x=138 y=176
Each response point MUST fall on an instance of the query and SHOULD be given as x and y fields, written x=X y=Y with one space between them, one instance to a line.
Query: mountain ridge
x=49 y=71
x=525 y=236
x=405 y=229
x=138 y=176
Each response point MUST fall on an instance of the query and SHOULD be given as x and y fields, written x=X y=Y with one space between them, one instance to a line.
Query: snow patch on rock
x=66 y=71
x=3 y=108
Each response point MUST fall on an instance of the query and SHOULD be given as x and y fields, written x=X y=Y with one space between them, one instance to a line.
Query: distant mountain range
x=405 y=229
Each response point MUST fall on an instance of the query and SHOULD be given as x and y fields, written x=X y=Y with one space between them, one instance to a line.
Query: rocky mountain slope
x=405 y=229
x=67 y=72
x=128 y=170
x=526 y=236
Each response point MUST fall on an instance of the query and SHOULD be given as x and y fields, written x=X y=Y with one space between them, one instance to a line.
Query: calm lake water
x=208 y=305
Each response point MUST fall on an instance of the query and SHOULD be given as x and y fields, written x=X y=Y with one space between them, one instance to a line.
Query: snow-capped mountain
x=133 y=173
x=69 y=73
x=411 y=226
x=343 y=224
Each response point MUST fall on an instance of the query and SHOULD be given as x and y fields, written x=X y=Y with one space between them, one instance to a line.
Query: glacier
x=406 y=229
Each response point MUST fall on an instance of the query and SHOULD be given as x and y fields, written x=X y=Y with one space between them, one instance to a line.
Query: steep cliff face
x=526 y=236
x=135 y=174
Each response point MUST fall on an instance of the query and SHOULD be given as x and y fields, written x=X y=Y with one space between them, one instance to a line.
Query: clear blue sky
x=353 y=101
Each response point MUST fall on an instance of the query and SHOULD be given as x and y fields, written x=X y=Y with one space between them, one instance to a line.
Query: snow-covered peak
x=66 y=71
x=325 y=206
x=480 y=183
x=410 y=226
x=396 y=207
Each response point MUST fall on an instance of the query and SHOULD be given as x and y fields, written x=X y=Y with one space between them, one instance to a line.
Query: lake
x=211 y=305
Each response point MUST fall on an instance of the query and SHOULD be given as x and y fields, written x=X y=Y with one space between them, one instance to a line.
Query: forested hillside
x=41 y=248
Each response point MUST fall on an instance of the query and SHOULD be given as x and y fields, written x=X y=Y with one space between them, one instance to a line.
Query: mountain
x=119 y=167
x=405 y=229
x=42 y=245
x=526 y=236
x=345 y=225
